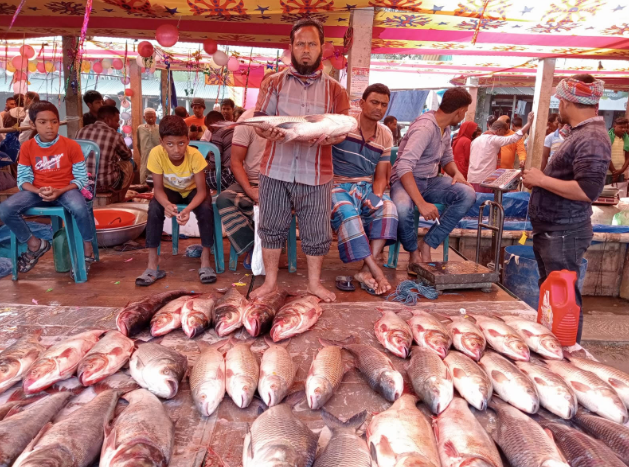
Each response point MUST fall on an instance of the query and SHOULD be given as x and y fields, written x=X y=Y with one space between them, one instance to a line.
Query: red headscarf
x=461 y=147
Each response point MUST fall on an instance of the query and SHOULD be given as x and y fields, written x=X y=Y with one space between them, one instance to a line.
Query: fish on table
x=325 y=376
x=430 y=333
x=555 y=395
x=345 y=448
x=503 y=338
x=612 y=434
x=259 y=313
x=277 y=373
x=431 y=379
x=107 y=356
x=467 y=337
x=158 y=369
x=619 y=380
x=228 y=312
x=207 y=379
x=394 y=334
x=296 y=317
x=469 y=379
x=142 y=435
x=16 y=359
x=197 y=314
x=134 y=317
x=242 y=373
x=168 y=317
x=59 y=362
x=537 y=336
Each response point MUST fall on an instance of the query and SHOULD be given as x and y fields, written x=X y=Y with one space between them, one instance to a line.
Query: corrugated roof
x=517 y=91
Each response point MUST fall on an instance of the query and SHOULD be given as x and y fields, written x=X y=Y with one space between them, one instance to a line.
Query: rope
x=408 y=292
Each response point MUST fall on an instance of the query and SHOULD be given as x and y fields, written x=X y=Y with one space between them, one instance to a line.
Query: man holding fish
x=293 y=174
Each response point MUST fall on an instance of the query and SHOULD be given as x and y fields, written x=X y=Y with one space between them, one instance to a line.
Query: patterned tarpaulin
x=541 y=28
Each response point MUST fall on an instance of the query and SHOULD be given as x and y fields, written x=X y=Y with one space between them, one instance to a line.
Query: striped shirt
x=357 y=158
x=285 y=94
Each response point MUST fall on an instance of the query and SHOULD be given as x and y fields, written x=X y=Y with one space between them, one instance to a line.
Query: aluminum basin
x=118 y=236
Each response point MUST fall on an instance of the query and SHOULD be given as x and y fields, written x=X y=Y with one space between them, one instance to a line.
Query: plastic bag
x=194 y=251
x=191 y=229
x=257 y=263
x=6 y=267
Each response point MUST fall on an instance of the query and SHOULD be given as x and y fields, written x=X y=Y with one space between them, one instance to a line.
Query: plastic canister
x=558 y=309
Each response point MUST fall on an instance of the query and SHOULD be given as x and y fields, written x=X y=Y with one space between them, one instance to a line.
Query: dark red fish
x=259 y=314
x=137 y=315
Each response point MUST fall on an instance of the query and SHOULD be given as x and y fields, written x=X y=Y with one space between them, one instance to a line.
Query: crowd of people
x=344 y=184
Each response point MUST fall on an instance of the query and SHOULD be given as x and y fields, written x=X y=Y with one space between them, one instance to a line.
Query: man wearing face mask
x=295 y=174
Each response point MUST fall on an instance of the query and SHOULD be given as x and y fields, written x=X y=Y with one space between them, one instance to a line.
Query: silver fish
x=109 y=354
x=469 y=379
x=592 y=392
x=431 y=379
x=17 y=431
x=279 y=439
x=617 y=379
x=537 y=336
x=158 y=369
x=16 y=359
x=324 y=377
x=503 y=339
x=296 y=317
x=74 y=441
x=612 y=434
x=207 y=381
x=197 y=314
x=510 y=383
x=467 y=337
x=242 y=373
x=429 y=333
x=258 y=316
x=394 y=334
x=461 y=439
x=228 y=312
x=522 y=440
x=277 y=373
x=168 y=317
x=135 y=316
x=306 y=128
x=402 y=436
x=143 y=434
x=346 y=448
x=554 y=393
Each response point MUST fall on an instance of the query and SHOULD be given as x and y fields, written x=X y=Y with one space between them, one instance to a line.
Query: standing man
x=415 y=179
x=198 y=107
x=513 y=151
x=148 y=138
x=227 y=109
x=561 y=199
x=362 y=214
x=298 y=175
x=620 y=150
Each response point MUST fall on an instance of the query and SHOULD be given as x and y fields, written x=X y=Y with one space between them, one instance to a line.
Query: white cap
x=149 y=109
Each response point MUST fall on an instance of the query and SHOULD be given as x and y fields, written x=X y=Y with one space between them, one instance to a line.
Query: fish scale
x=327 y=365
x=614 y=435
x=276 y=364
x=242 y=372
x=228 y=312
x=168 y=317
x=469 y=379
x=16 y=359
x=555 y=394
x=431 y=379
x=617 y=379
x=335 y=454
x=113 y=351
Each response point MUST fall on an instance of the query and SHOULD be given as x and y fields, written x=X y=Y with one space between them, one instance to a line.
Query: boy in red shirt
x=51 y=171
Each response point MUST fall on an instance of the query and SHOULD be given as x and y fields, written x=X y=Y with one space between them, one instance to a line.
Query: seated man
x=196 y=119
x=94 y=101
x=178 y=178
x=115 y=171
x=227 y=109
x=222 y=139
x=51 y=171
x=415 y=180
x=364 y=217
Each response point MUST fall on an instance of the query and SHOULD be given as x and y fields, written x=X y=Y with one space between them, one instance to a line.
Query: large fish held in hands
x=617 y=379
x=258 y=316
x=143 y=434
x=307 y=128
x=612 y=434
x=109 y=354
x=16 y=359
x=242 y=374
x=503 y=339
x=207 y=380
x=429 y=333
x=158 y=369
x=402 y=436
x=325 y=376
x=196 y=314
x=168 y=317
x=394 y=334
x=277 y=373
x=592 y=392
x=296 y=317
x=467 y=337
x=537 y=336
x=228 y=312
x=554 y=393
x=346 y=448
x=74 y=441
x=134 y=317
x=59 y=362
x=431 y=379
x=469 y=379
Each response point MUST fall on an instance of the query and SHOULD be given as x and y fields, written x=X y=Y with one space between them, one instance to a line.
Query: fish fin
x=39 y=436
x=527 y=333
x=580 y=386
x=386 y=448
x=338 y=343
x=441 y=317
x=499 y=376
x=550 y=434
x=334 y=423
x=374 y=452
x=493 y=333
x=288 y=125
x=419 y=327
x=314 y=118
x=319 y=140
x=448 y=374
x=617 y=384
x=296 y=397
x=496 y=317
x=458 y=373
x=470 y=318
x=67 y=353
x=110 y=437
x=450 y=450
x=540 y=381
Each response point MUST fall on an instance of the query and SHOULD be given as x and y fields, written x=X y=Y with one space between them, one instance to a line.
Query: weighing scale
x=469 y=274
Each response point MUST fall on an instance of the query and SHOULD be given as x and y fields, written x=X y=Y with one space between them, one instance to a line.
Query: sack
x=257 y=263
x=61 y=251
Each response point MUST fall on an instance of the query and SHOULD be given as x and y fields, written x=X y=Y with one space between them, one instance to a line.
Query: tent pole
x=136 y=108
x=72 y=76
x=541 y=104
x=359 y=58
x=472 y=88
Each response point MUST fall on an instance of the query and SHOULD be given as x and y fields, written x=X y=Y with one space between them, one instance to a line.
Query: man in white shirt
x=485 y=149
x=148 y=138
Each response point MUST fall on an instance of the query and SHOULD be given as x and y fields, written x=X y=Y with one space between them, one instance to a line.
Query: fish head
x=252 y=320
x=283 y=326
x=391 y=384
x=162 y=377
x=193 y=323
x=398 y=342
x=122 y=321
x=42 y=374
x=318 y=391
x=242 y=390
x=162 y=324
x=518 y=350
x=207 y=396
x=566 y=404
x=610 y=406
x=10 y=368
x=473 y=345
x=441 y=391
x=228 y=320
x=479 y=392
x=140 y=454
x=272 y=389
x=550 y=347
x=438 y=342
x=54 y=455
x=91 y=368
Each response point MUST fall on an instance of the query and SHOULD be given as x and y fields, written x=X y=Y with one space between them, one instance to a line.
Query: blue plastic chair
x=394 y=250
x=58 y=214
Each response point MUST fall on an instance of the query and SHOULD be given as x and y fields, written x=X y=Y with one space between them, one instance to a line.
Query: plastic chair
x=59 y=214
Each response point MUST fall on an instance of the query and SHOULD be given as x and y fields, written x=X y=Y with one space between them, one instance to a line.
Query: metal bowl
x=118 y=236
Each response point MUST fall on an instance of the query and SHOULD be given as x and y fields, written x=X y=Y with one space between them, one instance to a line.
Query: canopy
x=557 y=28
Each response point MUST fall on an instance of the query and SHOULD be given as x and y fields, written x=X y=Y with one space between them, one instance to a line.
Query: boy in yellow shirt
x=178 y=178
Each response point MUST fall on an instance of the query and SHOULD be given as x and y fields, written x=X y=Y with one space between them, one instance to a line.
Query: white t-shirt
x=553 y=141
x=246 y=136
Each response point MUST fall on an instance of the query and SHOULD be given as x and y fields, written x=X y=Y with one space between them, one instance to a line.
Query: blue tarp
x=515 y=204
x=472 y=223
x=406 y=106
x=39 y=230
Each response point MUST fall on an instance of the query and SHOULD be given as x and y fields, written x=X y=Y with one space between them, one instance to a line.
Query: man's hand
x=533 y=177
x=274 y=134
x=429 y=211
x=170 y=210
x=328 y=141
x=522 y=164
x=531 y=117
x=459 y=178
x=49 y=194
x=183 y=217
x=253 y=194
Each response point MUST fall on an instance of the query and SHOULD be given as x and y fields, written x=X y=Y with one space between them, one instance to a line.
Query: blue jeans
x=458 y=198
x=11 y=212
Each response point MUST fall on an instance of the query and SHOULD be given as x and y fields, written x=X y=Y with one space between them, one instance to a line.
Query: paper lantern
x=128 y=140
x=20 y=87
x=125 y=116
x=167 y=35
x=327 y=67
x=106 y=63
x=86 y=67
x=210 y=46
x=233 y=64
x=49 y=67
x=125 y=103
x=126 y=129
x=97 y=67
x=328 y=50
x=41 y=67
x=128 y=92
x=145 y=49
x=338 y=62
x=117 y=64
x=19 y=62
x=27 y=51
x=32 y=67
x=125 y=80
x=220 y=58
x=286 y=60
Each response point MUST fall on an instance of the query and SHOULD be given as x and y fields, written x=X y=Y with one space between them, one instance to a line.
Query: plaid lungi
x=236 y=210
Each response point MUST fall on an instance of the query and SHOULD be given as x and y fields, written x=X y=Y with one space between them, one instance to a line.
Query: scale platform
x=456 y=275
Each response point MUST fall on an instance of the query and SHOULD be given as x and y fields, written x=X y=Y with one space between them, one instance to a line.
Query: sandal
x=149 y=277
x=207 y=275
x=411 y=270
x=344 y=283
x=29 y=259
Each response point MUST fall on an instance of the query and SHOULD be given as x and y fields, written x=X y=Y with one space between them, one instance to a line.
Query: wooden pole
x=72 y=76
x=627 y=108
x=136 y=107
x=472 y=88
x=359 y=59
x=541 y=105
x=165 y=94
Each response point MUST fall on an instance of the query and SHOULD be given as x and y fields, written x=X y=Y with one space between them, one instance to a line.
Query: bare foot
x=367 y=278
x=415 y=257
x=261 y=291
x=383 y=285
x=321 y=292
x=425 y=252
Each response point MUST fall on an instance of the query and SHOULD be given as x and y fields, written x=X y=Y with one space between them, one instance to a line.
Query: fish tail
x=338 y=343
x=334 y=423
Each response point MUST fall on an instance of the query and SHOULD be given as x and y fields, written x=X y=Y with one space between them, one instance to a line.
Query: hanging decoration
x=328 y=51
x=128 y=92
x=86 y=20
x=41 y=67
x=85 y=67
x=27 y=51
x=145 y=49
x=117 y=64
x=210 y=46
x=233 y=64
x=97 y=68
x=17 y=12
x=19 y=62
x=106 y=62
x=126 y=129
x=220 y=58
x=167 y=35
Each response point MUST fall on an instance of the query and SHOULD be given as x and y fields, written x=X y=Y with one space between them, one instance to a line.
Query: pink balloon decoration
x=27 y=51
x=19 y=75
x=41 y=67
x=126 y=129
x=338 y=62
x=220 y=58
x=128 y=141
x=125 y=80
x=167 y=35
x=210 y=46
x=97 y=67
x=145 y=49
x=20 y=87
x=328 y=50
x=233 y=64
x=19 y=62
x=117 y=64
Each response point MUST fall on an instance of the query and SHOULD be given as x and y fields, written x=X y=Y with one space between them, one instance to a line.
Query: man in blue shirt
x=364 y=217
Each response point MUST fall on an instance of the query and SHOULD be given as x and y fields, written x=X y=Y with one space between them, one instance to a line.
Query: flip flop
x=207 y=275
x=149 y=277
x=344 y=283
x=368 y=289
